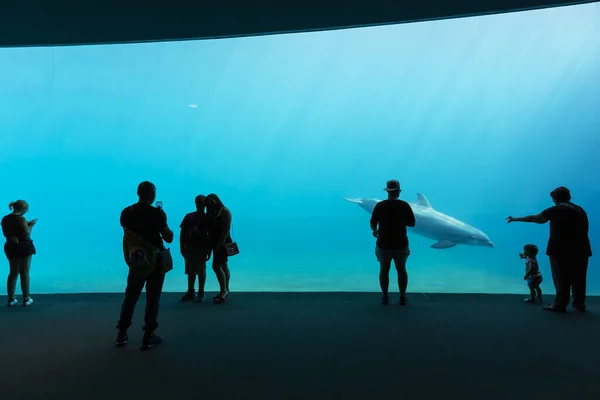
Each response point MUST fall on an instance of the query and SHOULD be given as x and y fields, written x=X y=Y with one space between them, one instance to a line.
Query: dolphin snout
x=351 y=200
x=489 y=243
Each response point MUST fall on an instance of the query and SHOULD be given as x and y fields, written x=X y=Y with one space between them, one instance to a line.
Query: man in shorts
x=195 y=248
x=389 y=220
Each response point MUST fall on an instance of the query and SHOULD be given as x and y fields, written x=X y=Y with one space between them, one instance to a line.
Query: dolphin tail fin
x=353 y=200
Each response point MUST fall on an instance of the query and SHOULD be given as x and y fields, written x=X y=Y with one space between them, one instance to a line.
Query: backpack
x=139 y=254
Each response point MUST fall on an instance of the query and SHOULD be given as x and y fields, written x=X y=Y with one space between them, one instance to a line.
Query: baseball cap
x=392 y=185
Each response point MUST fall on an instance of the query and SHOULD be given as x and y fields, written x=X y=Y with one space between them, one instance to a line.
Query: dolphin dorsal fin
x=422 y=201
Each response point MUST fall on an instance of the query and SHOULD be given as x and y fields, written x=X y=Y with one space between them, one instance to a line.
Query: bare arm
x=375 y=219
x=167 y=234
x=535 y=218
x=26 y=227
x=411 y=217
x=224 y=232
x=182 y=235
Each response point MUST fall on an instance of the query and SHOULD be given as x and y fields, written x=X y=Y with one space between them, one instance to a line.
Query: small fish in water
x=193 y=105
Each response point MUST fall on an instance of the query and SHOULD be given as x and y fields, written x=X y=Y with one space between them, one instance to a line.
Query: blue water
x=484 y=116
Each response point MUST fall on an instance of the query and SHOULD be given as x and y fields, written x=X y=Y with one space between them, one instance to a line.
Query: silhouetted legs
x=195 y=266
x=535 y=292
x=222 y=272
x=384 y=277
x=225 y=268
x=135 y=285
x=19 y=268
x=385 y=258
x=400 y=263
x=223 y=275
x=579 y=282
x=13 y=275
x=569 y=273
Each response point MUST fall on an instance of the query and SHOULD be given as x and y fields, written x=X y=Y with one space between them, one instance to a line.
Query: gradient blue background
x=485 y=116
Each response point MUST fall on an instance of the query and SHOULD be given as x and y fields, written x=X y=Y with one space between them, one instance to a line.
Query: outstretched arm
x=535 y=218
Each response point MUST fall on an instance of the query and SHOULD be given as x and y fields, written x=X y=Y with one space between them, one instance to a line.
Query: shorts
x=21 y=250
x=194 y=266
x=534 y=281
x=195 y=261
x=387 y=256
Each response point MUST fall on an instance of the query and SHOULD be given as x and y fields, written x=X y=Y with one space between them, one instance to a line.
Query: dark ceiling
x=60 y=22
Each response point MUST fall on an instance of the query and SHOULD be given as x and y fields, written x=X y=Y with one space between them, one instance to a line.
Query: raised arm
x=166 y=232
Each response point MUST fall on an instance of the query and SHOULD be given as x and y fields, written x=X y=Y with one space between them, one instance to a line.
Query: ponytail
x=18 y=205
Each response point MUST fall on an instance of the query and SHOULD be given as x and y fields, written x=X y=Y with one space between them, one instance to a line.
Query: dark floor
x=302 y=346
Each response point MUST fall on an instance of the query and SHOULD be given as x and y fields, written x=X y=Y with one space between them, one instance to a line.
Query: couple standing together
x=204 y=231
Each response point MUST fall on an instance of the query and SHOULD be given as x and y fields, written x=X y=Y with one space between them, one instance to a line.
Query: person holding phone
x=149 y=225
x=19 y=249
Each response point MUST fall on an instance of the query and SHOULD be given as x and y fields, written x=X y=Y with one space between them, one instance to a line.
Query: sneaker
x=579 y=308
x=385 y=299
x=553 y=308
x=529 y=300
x=200 y=298
x=122 y=339
x=151 y=340
x=403 y=301
x=12 y=302
x=189 y=295
x=28 y=302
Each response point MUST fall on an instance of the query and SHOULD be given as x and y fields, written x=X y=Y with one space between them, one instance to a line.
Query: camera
x=159 y=204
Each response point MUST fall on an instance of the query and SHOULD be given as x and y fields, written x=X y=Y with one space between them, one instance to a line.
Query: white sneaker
x=12 y=302
x=28 y=302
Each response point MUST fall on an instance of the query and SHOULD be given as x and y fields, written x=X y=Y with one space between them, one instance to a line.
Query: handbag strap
x=231 y=224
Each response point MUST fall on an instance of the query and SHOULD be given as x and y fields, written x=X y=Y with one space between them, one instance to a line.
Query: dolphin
x=432 y=224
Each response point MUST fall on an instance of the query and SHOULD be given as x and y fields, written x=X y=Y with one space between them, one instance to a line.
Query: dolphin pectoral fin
x=357 y=201
x=443 y=244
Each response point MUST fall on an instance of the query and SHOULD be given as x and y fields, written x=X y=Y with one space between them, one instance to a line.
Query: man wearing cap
x=389 y=220
x=568 y=247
